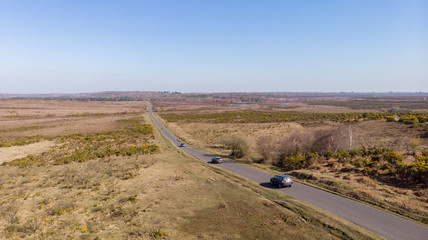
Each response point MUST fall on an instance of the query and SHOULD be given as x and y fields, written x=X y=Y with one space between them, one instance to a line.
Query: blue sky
x=213 y=46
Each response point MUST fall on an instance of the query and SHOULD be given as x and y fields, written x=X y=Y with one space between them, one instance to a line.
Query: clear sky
x=71 y=46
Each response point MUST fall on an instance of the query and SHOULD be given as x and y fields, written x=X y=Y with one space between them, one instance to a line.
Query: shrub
x=24 y=162
x=421 y=171
x=423 y=119
x=393 y=158
x=62 y=211
x=159 y=233
x=409 y=119
x=414 y=173
x=265 y=117
x=132 y=198
x=298 y=161
x=354 y=153
x=83 y=147
x=328 y=140
x=238 y=145
x=390 y=118
x=295 y=143
x=265 y=148
x=329 y=154
x=414 y=143
x=4 y=144
x=311 y=158
x=292 y=162
x=342 y=155
x=373 y=151
x=422 y=158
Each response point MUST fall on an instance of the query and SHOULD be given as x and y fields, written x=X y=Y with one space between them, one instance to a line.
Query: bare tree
x=265 y=148
x=350 y=134
x=329 y=140
x=238 y=145
x=299 y=142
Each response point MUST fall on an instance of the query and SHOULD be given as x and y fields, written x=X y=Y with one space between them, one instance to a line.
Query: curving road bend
x=377 y=221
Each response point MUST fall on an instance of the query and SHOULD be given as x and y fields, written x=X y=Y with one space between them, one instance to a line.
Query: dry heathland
x=98 y=170
x=377 y=157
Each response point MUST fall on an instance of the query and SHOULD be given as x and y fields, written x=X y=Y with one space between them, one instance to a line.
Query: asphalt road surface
x=377 y=221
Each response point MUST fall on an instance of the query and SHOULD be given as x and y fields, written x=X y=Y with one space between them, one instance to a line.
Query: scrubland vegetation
x=132 y=140
x=386 y=103
x=121 y=180
x=377 y=157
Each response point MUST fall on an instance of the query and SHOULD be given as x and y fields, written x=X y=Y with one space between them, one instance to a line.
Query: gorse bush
x=102 y=114
x=158 y=233
x=269 y=117
x=260 y=117
x=297 y=161
x=131 y=140
x=414 y=173
x=390 y=118
x=370 y=161
x=21 y=141
x=409 y=119
x=88 y=153
x=393 y=158
x=22 y=129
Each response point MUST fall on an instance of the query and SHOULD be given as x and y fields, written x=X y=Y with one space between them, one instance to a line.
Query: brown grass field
x=163 y=195
x=190 y=107
x=407 y=200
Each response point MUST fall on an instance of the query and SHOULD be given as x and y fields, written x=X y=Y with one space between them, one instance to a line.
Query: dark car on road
x=217 y=160
x=182 y=145
x=281 y=181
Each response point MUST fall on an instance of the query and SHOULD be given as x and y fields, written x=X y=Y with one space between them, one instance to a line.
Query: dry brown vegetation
x=23 y=118
x=162 y=195
x=368 y=133
x=409 y=201
x=8 y=154
x=387 y=188
x=215 y=107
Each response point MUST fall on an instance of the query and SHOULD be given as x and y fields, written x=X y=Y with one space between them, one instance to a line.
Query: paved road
x=372 y=219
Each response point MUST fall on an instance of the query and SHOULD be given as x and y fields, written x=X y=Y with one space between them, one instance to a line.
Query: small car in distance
x=217 y=160
x=281 y=181
x=182 y=145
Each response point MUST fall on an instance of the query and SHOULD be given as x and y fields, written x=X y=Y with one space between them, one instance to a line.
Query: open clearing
x=11 y=153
